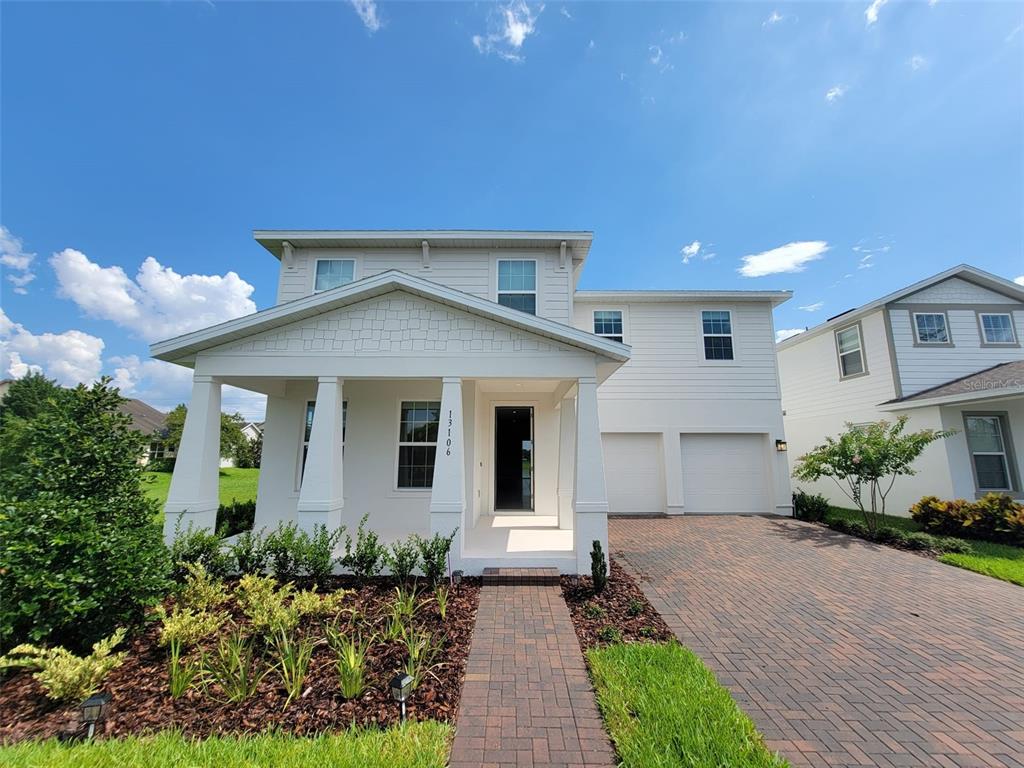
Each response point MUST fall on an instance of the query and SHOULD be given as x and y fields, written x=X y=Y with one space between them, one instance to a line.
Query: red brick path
x=844 y=653
x=527 y=701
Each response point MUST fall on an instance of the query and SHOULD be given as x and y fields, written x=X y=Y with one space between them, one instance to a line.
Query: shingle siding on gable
x=956 y=290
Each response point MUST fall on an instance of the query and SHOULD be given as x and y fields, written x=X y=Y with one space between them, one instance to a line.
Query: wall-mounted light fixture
x=781 y=446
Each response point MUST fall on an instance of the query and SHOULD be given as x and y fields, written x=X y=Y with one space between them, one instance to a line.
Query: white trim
x=1013 y=331
x=860 y=351
x=701 y=335
x=917 y=331
x=998 y=420
x=498 y=258
x=492 y=459
x=622 y=319
x=357 y=263
x=775 y=297
x=421 y=490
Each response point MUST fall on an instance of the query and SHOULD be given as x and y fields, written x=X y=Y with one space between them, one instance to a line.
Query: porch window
x=717 y=327
x=308 y=430
x=608 y=323
x=851 y=352
x=997 y=329
x=930 y=328
x=517 y=284
x=330 y=273
x=986 y=441
x=417 y=443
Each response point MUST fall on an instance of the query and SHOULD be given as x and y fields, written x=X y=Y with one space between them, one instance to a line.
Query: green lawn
x=237 y=484
x=417 y=745
x=1000 y=561
x=664 y=708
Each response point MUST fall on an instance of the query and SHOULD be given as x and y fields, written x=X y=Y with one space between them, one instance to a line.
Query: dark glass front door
x=513 y=457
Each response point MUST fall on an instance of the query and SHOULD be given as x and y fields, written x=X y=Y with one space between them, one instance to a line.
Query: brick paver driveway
x=843 y=653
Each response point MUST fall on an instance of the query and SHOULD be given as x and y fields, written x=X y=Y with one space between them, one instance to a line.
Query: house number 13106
x=448 y=442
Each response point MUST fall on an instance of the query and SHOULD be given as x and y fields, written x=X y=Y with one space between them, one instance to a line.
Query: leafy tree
x=81 y=554
x=26 y=398
x=865 y=461
x=249 y=453
x=231 y=437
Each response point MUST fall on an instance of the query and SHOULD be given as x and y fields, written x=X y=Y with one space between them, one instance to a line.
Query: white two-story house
x=446 y=381
x=945 y=352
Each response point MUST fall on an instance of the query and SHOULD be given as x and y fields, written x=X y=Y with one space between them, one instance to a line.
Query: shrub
x=811 y=507
x=598 y=568
x=594 y=610
x=249 y=552
x=851 y=527
x=434 y=555
x=351 y=651
x=954 y=546
x=317 y=559
x=64 y=676
x=293 y=655
x=421 y=654
x=235 y=517
x=364 y=557
x=893 y=536
x=197 y=545
x=234 y=666
x=635 y=608
x=185 y=627
x=921 y=541
x=995 y=517
x=201 y=591
x=402 y=559
x=609 y=635
x=286 y=551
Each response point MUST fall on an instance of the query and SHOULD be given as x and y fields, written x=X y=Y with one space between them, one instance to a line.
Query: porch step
x=537 y=576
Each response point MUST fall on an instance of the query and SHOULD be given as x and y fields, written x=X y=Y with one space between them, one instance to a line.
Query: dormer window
x=330 y=273
x=517 y=284
x=930 y=328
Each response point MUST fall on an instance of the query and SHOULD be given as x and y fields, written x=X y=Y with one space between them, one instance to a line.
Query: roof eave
x=962 y=397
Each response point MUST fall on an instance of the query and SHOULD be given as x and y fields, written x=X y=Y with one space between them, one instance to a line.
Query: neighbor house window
x=308 y=429
x=930 y=328
x=851 y=352
x=417 y=443
x=717 y=327
x=156 y=451
x=330 y=273
x=986 y=439
x=997 y=329
x=608 y=323
x=517 y=284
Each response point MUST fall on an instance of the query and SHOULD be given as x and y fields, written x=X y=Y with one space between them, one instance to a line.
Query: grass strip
x=416 y=745
x=1000 y=561
x=663 y=707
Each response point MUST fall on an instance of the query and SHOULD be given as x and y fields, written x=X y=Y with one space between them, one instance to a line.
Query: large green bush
x=996 y=517
x=81 y=554
x=810 y=506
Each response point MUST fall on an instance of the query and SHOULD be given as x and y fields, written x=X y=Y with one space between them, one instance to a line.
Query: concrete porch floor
x=515 y=536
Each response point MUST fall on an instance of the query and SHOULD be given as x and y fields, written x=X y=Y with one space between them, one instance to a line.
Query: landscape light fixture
x=456 y=578
x=94 y=709
x=401 y=687
x=781 y=446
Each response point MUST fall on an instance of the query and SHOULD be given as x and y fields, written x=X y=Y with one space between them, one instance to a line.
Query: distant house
x=152 y=423
x=253 y=430
x=5 y=384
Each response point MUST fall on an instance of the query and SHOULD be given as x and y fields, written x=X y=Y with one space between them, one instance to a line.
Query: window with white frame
x=308 y=429
x=608 y=323
x=997 y=328
x=717 y=328
x=417 y=443
x=517 y=284
x=157 y=450
x=851 y=351
x=930 y=328
x=330 y=273
x=987 y=443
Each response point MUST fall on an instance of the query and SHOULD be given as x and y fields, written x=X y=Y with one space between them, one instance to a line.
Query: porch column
x=321 y=496
x=566 y=461
x=448 y=493
x=194 y=492
x=591 y=504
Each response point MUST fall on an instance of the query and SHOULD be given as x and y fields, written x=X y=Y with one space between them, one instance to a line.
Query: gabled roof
x=145 y=418
x=182 y=349
x=963 y=271
x=775 y=297
x=1003 y=380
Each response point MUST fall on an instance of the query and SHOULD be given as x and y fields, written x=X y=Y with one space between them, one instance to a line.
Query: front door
x=513 y=457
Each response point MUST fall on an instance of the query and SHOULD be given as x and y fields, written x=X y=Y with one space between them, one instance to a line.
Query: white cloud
x=591 y=45
x=508 y=27
x=367 y=10
x=834 y=93
x=871 y=14
x=918 y=62
x=773 y=19
x=784 y=333
x=14 y=256
x=655 y=51
x=1014 y=32
x=158 y=303
x=813 y=307
x=565 y=12
x=72 y=357
x=695 y=249
x=1019 y=280
x=786 y=258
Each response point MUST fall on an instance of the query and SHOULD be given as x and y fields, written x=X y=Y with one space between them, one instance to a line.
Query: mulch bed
x=141 y=702
x=621 y=607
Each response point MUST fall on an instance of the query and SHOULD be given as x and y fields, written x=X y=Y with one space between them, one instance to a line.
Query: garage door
x=724 y=474
x=633 y=474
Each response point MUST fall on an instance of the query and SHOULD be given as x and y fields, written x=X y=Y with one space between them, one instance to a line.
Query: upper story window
x=717 y=328
x=608 y=323
x=930 y=328
x=417 y=443
x=997 y=328
x=517 y=284
x=308 y=429
x=330 y=273
x=851 y=351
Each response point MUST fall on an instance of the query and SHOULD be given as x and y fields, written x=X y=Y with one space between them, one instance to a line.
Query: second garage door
x=724 y=474
x=633 y=474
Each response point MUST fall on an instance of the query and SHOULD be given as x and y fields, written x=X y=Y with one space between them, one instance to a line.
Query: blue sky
x=864 y=144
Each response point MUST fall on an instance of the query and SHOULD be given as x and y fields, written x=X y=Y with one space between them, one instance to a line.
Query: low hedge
x=996 y=518
x=915 y=540
x=235 y=517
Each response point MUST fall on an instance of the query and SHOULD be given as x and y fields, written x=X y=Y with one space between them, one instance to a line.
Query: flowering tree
x=865 y=461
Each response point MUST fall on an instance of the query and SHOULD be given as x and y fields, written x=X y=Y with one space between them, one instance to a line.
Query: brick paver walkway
x=527 y=700
x=844 y=653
